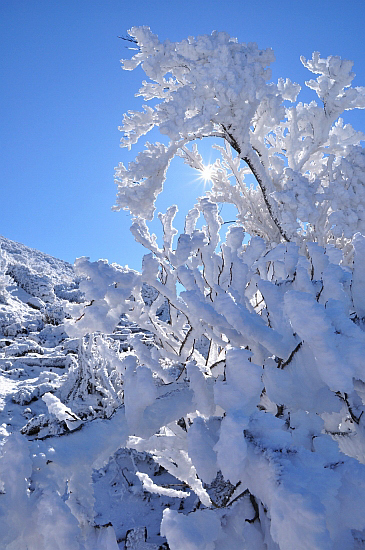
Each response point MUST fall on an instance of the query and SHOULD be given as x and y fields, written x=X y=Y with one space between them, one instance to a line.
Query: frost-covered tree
x=308 y=165
x=256 y=375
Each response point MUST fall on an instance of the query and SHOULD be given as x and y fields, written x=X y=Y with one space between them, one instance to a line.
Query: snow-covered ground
x=64 y=482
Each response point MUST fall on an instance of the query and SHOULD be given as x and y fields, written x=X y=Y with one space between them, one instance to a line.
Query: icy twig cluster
x=256 y=374
x=308 y=164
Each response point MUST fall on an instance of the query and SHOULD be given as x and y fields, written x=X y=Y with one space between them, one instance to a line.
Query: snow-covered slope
x=39 y=275
x=57 y=270
x=66 y=479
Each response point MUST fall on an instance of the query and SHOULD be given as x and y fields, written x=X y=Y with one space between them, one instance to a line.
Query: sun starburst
x=206 y=173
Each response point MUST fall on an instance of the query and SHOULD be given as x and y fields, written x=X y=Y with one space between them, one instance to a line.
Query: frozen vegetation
x=214 y=400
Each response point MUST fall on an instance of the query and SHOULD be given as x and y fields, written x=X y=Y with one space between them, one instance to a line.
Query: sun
x=206 y=173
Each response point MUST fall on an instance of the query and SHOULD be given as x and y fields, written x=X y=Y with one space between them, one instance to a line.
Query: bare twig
x=282 y=364
x=128 y=39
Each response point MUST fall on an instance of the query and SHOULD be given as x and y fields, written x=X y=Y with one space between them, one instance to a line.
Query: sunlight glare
x=206 y=173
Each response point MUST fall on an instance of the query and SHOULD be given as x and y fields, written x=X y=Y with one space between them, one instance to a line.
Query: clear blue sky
x=63 y=95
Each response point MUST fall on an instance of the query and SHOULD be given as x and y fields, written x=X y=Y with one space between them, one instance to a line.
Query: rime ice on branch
x=307 y=163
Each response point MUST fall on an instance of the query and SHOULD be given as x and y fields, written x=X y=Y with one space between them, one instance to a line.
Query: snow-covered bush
x=93 y=387
x=33 y=283
x=69 y=291
x=53 y=314
x=275 y=404
x=4 y=278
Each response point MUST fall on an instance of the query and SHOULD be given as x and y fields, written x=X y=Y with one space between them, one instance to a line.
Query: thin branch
x=345 y=398
x=128 y=39
x=251 y=164
x=282 y=364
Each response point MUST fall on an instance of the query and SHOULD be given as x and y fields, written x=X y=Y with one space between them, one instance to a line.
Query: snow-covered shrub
x=36 y=285
x=69 y=291
x=52 y=335
x=53 y=314
x=9 y=322
x=93 y=386
x=277 y=401
x=23 y=347
x=4 y=278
